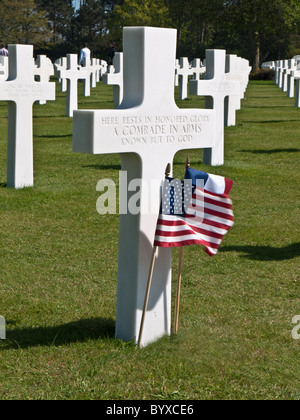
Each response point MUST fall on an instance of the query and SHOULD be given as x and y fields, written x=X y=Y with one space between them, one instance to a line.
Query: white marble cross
x=72 y=73
x=98 y=68
x=277 y=67
x=87 y=68
x=177 y=67
x=284 y=75
x=290 y=78
x=102 y=68
x=184 y=71
x=297 y=94
x=292 y=90
x=21 y=91
x=44 y=70
x=94 y=68
x=291 y=85
x=61 y=64
x=216 y=87
x=245 y=69
x=281 y=80
x=3 y=68
x=114 y=77
x=197 y=68
x=232 y=103
x=148 y=129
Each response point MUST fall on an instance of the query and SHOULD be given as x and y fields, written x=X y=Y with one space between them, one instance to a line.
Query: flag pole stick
x=150 y=277
x=147 y=295
x=178 y=291
x=177 y=303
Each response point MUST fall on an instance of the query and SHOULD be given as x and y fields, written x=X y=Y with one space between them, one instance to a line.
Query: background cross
x=216 y=88
x=21 y=91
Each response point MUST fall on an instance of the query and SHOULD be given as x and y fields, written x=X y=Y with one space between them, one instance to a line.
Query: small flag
x=197 y=211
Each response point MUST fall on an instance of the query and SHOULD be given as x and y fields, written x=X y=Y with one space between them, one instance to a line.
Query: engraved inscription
x=222 y=88
x=155 y=130
x=11 y=91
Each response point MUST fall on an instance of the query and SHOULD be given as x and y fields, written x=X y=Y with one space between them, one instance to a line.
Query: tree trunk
x=257 y=52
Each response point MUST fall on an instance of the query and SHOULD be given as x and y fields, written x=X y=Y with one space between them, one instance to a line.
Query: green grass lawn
x=58 y=273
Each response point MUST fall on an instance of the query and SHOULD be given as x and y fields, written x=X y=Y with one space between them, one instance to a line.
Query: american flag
x=197 y=211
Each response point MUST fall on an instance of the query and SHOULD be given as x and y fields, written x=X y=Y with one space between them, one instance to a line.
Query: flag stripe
x=212 y=206
x=185 y=242
x=206 y=224
x=202 y=235
x=218 y=197
x=208 y=217
x=207 y=194
x=177 y=230
x=224 y=204
x=188 y=237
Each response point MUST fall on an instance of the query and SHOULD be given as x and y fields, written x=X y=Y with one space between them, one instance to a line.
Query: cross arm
x=15 y=91
x=213 y=88
x=142 y=132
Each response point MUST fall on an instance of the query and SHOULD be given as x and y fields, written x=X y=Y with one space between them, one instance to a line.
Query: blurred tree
x=91 y=24
x=60 y=15
x=196 y=21
x=21 y=21
x=261 y=29
x=138 y=13
x=255 y=29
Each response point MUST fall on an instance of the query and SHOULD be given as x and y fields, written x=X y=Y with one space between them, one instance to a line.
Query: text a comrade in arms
x=158 y=125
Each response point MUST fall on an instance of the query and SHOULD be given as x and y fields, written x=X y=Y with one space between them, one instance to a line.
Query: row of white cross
x=147 y=129
x=287 y=72
x=226 y=77
x=69 y=72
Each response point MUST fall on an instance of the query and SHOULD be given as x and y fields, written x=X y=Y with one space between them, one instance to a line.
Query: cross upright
x=177 y=67
x=21 y=91
x=216 y=88
x=184 y=72
x=148 y=129
x=98 y=68
x=277 y=64
x=283 y=66
x=3 y=68
x=114 y=77
x=61 y=64
x=232 y=103
x=290 y=78
x=94 y=67
x=44 y=70
x=197 y=68
x=297 y=94
x=87 y=67
x=72 y=73
x=102 y=68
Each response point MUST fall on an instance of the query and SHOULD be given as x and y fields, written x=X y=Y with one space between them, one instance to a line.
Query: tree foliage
x=263 y=29
x=59 y=15
x=138 y=13
x=259 y=30
x=21 y=21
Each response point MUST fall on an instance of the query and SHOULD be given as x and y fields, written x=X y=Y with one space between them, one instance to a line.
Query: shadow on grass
x=266 y=253
x=272 y=122
x=3 y=185
x=54 y=136
x=271 y=151
x=270 y=107
x=73 y=332
x=103 y=167
x=50 y=116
